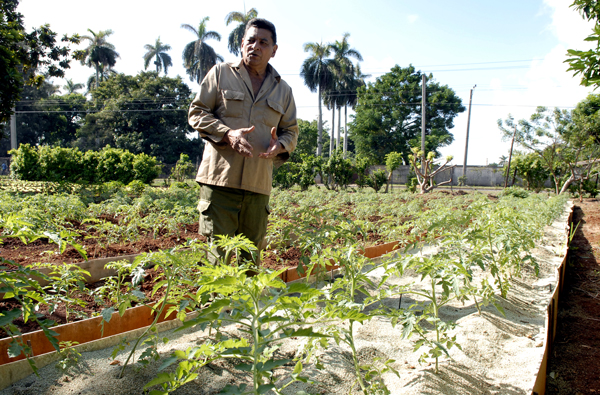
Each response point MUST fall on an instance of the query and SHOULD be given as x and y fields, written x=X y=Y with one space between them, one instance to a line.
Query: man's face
x=257 y=48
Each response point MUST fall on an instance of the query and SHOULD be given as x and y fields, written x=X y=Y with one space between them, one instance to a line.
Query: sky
x=512 y=50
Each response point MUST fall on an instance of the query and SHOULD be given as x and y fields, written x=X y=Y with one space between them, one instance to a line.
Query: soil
x=92 y=306
x=40 y=251
x=574 y=366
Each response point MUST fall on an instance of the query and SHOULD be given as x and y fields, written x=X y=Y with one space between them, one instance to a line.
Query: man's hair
x=261 y=23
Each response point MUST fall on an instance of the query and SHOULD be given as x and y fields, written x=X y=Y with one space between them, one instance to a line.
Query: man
x=247 y=115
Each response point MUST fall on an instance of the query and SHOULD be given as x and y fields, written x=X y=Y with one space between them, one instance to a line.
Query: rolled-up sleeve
x=201 y=115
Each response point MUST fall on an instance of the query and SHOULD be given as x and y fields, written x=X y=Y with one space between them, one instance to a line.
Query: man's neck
x=254 y=73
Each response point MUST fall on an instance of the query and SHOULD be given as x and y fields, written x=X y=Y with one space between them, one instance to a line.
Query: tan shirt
x=226 y=101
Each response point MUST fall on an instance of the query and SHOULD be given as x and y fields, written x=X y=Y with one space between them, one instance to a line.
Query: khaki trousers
x=231 y=211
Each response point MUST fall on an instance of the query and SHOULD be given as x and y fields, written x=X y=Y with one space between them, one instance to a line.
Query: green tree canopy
x=318 y=73
x=388 y=115
x=99 y=54
x=26 y=58
x=144 y=113
x=46 y=118
x=198 y=56
x=237 y=34
x=307 y=138
x=158 y=51
x=587 y=63
x=72 y=87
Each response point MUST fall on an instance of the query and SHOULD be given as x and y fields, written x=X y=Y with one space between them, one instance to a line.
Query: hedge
x=56 y=164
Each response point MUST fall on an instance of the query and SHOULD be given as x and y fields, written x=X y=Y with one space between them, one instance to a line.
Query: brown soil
x=574 y=366
x=40 y=251
x=93 y=306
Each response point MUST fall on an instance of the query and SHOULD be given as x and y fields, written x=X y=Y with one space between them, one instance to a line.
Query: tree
x=72 y=87
x=587 y=63
x=48 y=119
x=393 y=160
x=318 y=73
x=158 y=51
x=345 y=81
x=100 y=54
x=27 y=58
x=426 y=169
x=237 y=34
x=353 y=83
x=388 y=115
x=563 y=140
x=198 y=56
x=144 y=113
x=307 y=139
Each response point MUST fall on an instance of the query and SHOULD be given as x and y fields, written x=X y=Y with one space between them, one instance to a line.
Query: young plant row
x=494 y=238
x=496 y=242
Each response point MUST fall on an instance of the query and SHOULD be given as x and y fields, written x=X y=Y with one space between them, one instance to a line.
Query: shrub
x=515 y=191
x=146 y=168
x=24 y=163
x=183 y=169
x=56 y=164
x=136 y=187
x=377 y=179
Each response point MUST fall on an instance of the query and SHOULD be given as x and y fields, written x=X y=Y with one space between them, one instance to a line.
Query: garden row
x=471 y=233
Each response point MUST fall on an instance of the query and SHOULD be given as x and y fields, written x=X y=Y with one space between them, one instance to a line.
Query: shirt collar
x=270 y=70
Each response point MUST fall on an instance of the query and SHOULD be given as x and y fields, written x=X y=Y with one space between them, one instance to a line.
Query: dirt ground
x=574 y=366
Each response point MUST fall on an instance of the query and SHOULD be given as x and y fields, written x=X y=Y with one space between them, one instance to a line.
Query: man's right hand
x=236 y=139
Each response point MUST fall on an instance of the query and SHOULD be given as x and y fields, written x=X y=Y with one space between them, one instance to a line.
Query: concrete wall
x=476 y=175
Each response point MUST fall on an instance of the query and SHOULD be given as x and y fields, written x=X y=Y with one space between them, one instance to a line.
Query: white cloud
x=412 y=18
x=568 y=25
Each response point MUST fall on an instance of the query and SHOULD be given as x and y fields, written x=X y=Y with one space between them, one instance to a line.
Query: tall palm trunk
x=97 y=75
x=320 y=142
x=345 y=129
x=332 y=136
x=337 y=145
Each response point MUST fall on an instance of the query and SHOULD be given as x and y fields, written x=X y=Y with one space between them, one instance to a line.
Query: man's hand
x=236 y=138
x=275 y=147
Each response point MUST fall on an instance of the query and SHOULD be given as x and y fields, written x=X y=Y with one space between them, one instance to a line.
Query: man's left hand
x=275 y=147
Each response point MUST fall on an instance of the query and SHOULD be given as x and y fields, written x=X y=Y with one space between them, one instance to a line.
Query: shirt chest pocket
x=273 y=113
x=233 y=103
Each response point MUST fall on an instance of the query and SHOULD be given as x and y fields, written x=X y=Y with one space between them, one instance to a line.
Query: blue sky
x=513 y=50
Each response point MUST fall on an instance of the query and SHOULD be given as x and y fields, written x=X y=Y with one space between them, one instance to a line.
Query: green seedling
x=65 y=279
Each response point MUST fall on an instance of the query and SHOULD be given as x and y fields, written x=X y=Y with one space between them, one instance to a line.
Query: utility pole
x=510 y=157
x=467 y=139
x=13 y=129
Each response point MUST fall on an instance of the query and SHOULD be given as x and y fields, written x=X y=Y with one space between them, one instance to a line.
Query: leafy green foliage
x=68 y=357
x=18 y=284
x=144 y=113
x=266 y=309
x=184 y=168
x=44 y=163
x=585 y=63
x=65 y=280
x=388 y=115
x=23 y=54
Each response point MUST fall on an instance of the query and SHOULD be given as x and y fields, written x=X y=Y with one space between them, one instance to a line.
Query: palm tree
x=345 y=78
x=99 y=54
x=72 y=87
x=198 y=56
x=237 y=35
x=159 y=52
x=353 y=82
x=95 y=79
x=318 y=73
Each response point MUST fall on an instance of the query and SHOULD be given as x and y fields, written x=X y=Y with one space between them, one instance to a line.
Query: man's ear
x=274 y=50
